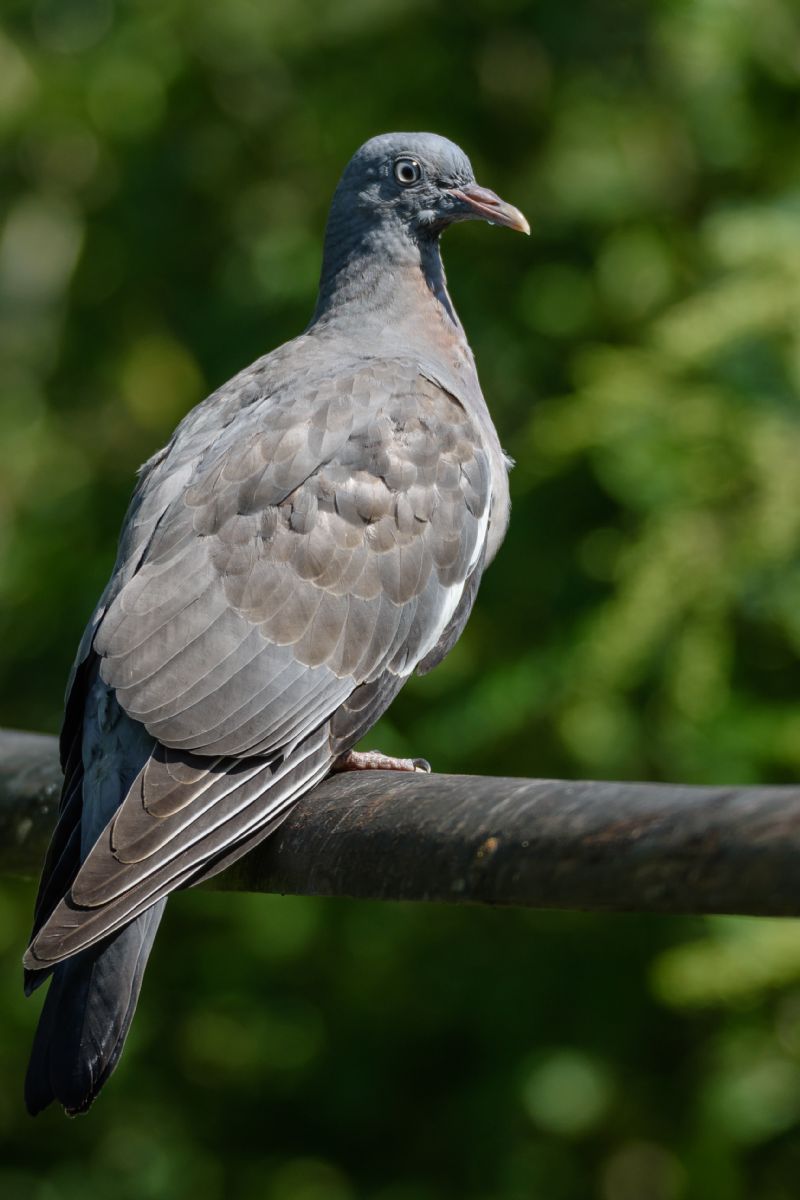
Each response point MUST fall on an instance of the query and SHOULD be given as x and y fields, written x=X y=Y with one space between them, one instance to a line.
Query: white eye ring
x=407 y=171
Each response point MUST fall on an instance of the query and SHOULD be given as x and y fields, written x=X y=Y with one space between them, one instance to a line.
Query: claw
x=373 y=760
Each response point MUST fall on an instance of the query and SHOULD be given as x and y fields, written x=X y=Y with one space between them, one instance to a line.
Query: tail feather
x=136 y=821
x=86 y=1016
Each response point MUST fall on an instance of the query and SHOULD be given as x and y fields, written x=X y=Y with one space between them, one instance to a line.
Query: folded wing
x=315 y=548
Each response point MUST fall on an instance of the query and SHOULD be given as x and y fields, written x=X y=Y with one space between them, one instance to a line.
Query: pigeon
x=313 y=533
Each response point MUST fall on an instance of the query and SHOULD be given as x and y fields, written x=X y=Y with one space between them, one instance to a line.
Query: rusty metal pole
x=469 y=839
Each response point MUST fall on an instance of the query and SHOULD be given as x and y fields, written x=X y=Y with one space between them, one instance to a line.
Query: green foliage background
x=166 y=170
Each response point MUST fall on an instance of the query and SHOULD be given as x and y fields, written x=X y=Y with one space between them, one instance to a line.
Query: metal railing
x=471 y=839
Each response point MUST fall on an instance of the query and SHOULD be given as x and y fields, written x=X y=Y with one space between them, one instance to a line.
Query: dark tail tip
x=38 y=1088
x=86 y=1017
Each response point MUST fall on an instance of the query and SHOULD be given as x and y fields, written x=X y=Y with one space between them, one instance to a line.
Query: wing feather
x=290 y=557
x=109 y=894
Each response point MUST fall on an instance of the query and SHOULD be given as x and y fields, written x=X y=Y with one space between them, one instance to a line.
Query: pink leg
x=373 y=760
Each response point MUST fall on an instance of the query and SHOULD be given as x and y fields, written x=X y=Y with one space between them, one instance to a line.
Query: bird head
x=422 y=183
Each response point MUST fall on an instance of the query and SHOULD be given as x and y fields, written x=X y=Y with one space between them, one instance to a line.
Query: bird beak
x=489 y=207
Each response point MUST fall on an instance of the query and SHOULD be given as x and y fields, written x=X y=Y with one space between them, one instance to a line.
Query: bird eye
x=407 y=171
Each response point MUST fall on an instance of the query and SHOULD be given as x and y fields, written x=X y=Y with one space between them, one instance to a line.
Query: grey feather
x=313 y=532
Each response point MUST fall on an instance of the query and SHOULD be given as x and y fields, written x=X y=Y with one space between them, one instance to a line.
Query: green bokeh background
x=166 y=169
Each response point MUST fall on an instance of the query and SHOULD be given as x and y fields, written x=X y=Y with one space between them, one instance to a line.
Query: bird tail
x=86 y=1016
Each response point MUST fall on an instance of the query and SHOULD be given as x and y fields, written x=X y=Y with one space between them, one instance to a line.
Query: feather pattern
x=234 y=648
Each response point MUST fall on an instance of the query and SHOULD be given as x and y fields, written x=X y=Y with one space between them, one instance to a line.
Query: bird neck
x=382 y=279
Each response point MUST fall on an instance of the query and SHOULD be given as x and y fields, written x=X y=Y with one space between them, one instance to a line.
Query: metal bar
x=541 y=843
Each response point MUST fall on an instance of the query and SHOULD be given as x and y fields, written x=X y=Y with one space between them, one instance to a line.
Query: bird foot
x=373 y=760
